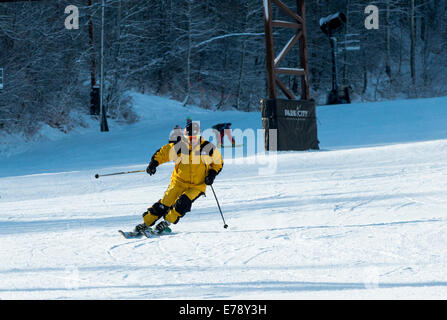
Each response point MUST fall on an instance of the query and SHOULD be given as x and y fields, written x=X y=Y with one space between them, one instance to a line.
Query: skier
x=197 y=163
x=222 y=129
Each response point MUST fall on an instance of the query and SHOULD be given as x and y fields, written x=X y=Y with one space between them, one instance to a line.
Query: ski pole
x=220 y=210
x=117 y=173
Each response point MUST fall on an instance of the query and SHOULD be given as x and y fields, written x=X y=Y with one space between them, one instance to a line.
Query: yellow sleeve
x=165 y=154
x=217 y=161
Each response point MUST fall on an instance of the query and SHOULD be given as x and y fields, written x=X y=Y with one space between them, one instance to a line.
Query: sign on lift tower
x=290 y=123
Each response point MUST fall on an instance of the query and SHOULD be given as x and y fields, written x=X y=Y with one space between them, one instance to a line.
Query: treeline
x=209 y=53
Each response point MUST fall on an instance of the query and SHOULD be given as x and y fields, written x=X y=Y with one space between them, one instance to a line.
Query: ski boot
x=141 y=228
x=163 y=226
x=138 y=232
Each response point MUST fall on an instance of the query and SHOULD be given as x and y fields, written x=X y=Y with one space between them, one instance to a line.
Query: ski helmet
x=192 y=129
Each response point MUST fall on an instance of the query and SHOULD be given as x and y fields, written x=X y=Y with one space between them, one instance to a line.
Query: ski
x=130 y=234
x=149 y=233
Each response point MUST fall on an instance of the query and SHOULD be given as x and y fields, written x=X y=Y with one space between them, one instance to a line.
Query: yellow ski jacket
x=192 y=163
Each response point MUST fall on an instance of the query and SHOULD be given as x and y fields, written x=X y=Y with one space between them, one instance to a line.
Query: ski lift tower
x=290 y=123
x=331 y=25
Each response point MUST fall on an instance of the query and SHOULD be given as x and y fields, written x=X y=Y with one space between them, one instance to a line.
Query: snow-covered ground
x=365 y=217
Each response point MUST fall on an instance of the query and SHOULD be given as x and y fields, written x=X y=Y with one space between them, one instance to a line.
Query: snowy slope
x=363 y=218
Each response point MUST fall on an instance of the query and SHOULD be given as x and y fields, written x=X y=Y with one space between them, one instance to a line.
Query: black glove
x=152 y=167
x=209 y=179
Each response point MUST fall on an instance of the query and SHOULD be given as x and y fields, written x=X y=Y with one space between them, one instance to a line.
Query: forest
x=206 y=53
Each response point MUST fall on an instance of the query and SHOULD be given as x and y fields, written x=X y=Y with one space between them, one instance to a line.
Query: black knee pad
x=158 y=209
x=183 y=205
